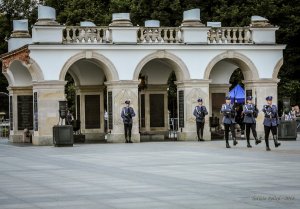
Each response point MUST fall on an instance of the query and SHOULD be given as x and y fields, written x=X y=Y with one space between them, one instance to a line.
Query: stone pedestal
x=121 y=91
x=193 y=90
x=260 y=90
x=46 y=115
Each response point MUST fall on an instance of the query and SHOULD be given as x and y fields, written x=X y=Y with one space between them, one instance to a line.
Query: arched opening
x=158 y=99
x=86 y=95
x=225 y=75
x=21 y=106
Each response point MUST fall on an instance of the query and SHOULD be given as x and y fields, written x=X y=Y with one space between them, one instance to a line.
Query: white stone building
x=107 y=63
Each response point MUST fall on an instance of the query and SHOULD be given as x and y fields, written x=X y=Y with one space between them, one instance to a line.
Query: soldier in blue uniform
x=127 y=114
x=270 y=122
x=229 y=113
x=250 y=113
x=200 y=112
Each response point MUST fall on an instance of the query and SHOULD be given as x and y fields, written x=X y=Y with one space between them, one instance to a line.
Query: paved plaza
x=156 y=175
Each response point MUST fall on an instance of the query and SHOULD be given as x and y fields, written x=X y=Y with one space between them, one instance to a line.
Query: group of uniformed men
x=228 y=110
x=250 y=112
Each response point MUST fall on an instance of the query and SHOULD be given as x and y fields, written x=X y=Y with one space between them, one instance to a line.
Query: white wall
x=126 y=58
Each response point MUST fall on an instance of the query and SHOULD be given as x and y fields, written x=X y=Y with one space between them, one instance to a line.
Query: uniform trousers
x=232 y=129
x=200 y=127
x=127 y=130
x=251 y=126
x=273 y=129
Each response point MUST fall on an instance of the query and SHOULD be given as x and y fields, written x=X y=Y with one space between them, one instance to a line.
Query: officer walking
x=229 y=113
x=127 y=114
x=250 y=113
x=200 y=112
x=270 y=122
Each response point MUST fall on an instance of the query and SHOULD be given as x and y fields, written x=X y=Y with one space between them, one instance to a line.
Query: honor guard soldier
x=250 y=113
x=229 y=113
x=200 y=112
x=270 y=122
x=127 y=114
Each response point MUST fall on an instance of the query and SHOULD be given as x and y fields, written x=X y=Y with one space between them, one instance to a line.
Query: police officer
x=270 y=122
x=127 y=114
x=250 y=113
x=200 y=112
x=229 y=113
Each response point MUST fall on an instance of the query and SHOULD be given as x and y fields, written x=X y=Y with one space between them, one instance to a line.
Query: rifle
x=200 y=113
x=255 y=106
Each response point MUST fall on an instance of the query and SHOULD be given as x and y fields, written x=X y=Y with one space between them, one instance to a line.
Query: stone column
x=17 y=135
x=120 y=91
x=193 y=89
x=92 y=134
x=260 y=90
x=46 y=114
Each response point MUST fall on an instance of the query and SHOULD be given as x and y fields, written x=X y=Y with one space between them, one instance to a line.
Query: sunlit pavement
x=156 y=175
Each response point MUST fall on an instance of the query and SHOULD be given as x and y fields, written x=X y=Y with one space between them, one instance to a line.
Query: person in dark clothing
x=229 y=113
x=270 y=122
x=127 y=114
x=250 y=113
x=200 y=112
x=239 y=118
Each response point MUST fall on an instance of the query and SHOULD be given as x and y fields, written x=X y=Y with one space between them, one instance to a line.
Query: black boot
x=227 y=144
x=129 y=140
x=234 y=141
x=257 y=141
x=277 y=144
x=126 y=141
x=248 y=144
x=267 y=145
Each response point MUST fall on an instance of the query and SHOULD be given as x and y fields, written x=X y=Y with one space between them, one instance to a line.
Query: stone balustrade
x=163 y=35
x=80 y=34
x=159 y=35
x=230 y=35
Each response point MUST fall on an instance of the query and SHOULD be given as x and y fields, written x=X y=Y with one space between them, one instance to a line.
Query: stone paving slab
x=156 y=175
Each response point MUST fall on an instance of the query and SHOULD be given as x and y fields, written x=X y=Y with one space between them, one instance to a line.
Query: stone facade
x=107 y=62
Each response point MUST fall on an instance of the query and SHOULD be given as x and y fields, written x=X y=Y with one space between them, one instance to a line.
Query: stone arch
x=247 y=66
x=277 y=68
x=35 y=70
x=109 y=70
x=19 y=77
x=181 y=70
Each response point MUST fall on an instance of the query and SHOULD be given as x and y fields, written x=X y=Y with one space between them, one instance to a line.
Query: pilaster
x=46 y=114
x=193 y=89
x=121 y=91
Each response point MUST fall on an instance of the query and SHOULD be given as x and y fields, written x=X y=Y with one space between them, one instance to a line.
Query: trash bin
x=287 y=130
x=63 y=135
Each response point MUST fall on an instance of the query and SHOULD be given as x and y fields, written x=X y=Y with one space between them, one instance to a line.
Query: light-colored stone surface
x=164 y=175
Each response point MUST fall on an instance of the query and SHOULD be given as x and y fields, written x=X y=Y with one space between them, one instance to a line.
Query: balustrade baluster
x=166 y=35
x=223 y=35
x=228 y=37
x=240 y=35
x=171 y=36
x=234 y=38
x=68 y=38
